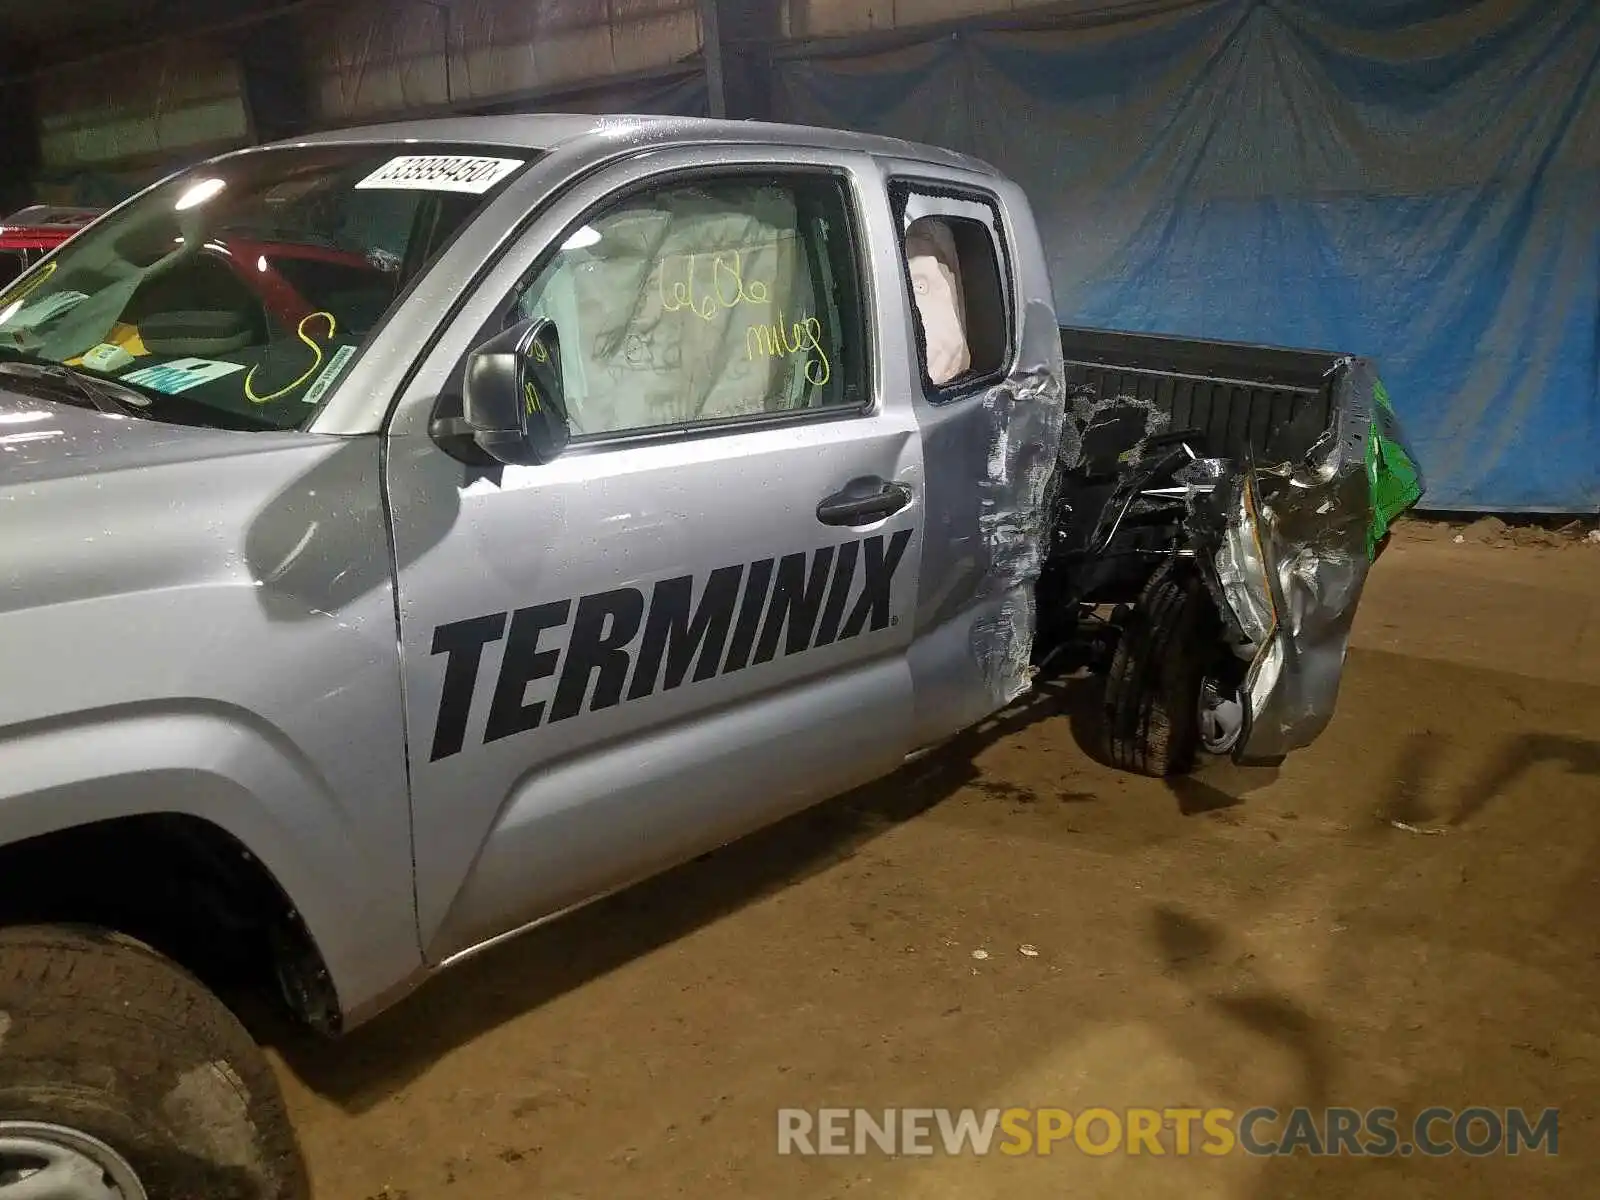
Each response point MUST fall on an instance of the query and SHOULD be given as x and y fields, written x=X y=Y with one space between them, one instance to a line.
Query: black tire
x=1151 y=720
x=102 y=1035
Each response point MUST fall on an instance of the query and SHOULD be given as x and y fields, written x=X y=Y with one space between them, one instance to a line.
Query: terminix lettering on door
x=631 y=645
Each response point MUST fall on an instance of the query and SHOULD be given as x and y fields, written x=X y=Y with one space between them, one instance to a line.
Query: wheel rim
x=52 y=1162
x=1221 y=718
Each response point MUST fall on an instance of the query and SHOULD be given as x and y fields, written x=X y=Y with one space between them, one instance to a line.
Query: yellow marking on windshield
x=27 y=287
x=333 y=328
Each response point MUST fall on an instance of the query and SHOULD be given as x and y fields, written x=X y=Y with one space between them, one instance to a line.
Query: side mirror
x=514 y=405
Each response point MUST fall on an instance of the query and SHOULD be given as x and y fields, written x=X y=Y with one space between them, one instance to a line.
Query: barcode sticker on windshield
x=330 y=374
x=181 y=374
x=441 y=173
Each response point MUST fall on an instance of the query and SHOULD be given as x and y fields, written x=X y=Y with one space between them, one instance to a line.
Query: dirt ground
x=1406 y=915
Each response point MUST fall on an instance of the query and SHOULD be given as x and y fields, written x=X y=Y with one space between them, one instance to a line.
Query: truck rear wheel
x=123 y=1078
x=1169 y=692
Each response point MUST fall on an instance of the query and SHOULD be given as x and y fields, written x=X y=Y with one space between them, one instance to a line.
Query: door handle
x=863 y=501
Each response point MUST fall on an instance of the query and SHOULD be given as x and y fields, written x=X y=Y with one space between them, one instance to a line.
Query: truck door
x=697 y=618
x=986 y=378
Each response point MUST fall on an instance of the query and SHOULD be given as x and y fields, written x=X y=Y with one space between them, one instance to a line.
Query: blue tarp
x=1413 y=180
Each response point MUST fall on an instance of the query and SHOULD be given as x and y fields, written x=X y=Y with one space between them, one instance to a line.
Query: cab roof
x=553 y=131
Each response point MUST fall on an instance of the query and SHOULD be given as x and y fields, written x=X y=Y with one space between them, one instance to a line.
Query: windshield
x=237 y=293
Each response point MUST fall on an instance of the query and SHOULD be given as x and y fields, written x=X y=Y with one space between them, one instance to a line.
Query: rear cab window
x=957 y=274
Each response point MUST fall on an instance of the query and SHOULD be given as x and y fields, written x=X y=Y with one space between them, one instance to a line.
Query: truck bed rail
x=1257 y=402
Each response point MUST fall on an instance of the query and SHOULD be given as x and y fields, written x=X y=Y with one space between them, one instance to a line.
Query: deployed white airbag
x=936 y=285
x=687 y=308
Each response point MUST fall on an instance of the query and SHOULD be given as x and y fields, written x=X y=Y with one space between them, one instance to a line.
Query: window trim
x=901 y=188
x=856 y=243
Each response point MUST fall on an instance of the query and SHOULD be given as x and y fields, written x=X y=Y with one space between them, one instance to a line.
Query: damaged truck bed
x=1214 y=517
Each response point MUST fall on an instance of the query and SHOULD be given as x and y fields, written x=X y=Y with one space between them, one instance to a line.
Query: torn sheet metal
x=1318 y=525
x=1095 y=496
x=988 y=457
x=1025 y=414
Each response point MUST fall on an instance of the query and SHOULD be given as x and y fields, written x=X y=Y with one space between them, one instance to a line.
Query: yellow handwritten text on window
x=784 y=339
x=724 y=288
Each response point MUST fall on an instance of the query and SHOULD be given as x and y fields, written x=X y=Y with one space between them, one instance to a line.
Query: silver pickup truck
x=413 y=533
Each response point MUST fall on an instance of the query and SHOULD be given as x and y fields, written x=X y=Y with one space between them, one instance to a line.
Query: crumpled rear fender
x=1320 y=526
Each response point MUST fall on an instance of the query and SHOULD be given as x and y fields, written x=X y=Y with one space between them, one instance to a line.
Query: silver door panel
x=598 y=821
x=513 y=828
x=628 y=519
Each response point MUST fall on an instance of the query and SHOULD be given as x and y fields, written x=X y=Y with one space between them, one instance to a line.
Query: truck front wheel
x=123 y=1078
x=1171 y=691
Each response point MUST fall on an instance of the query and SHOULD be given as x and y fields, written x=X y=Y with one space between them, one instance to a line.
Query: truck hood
x=45 y=439
x=96 y=505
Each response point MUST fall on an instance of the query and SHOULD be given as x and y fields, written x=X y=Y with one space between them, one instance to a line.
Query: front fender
x=228 y=767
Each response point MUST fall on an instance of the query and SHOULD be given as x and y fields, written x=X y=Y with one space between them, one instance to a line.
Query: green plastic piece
x=1392 y=475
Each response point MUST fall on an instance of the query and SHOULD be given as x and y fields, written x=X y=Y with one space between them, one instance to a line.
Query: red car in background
x=291 y=280
x=28 y=235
